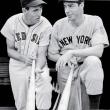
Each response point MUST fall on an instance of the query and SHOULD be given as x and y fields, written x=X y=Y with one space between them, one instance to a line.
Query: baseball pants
x=19 y=77
x=91 y=75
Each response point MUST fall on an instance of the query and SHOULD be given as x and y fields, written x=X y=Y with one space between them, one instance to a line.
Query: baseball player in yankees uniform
x=81 y=37
x=27 y=35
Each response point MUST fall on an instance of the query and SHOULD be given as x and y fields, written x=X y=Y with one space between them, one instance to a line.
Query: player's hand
x=27 y=60
x=75 y=75
x=63 y=60
x=38 y=71
x=38 y=76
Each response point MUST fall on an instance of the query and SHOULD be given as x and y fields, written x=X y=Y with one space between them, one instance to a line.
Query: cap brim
x=67 y=1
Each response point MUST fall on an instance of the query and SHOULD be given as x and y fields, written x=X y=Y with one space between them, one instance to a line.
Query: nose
x=66 y=9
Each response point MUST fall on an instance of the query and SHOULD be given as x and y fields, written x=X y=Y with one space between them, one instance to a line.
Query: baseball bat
x=63 y=104
x=56 y=102
x=30 y=105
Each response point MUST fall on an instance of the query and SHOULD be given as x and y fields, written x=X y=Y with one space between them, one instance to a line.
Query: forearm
x=41 y=62
x=54 y=57
x=15 y=55
x=91 y=51
x=12 y=52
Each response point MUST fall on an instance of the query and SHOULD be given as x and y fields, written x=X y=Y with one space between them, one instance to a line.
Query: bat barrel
x=30 y=105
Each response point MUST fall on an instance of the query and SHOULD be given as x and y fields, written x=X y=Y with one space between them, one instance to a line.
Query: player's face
x=73 y=10
x=33 y=15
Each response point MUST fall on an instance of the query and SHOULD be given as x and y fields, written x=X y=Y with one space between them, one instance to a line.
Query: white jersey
x=90 y=33
x=27 y=39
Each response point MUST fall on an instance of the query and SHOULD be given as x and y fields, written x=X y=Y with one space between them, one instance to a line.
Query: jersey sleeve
x=53 y=46
x=8 y=30
x=45 y=36
x=99 y=34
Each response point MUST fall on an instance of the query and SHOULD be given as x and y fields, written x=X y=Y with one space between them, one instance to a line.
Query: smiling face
x=73 y=9
x=32 y=15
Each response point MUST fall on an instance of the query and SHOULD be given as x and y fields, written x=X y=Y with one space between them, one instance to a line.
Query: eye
x=36 y=10
x=65 y=6
x=72 y=5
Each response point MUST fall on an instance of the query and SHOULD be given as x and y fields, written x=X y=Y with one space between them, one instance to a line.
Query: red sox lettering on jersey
x=22 y=36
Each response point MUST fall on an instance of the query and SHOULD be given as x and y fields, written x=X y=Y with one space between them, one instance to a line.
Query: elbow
x=100 y=51
x=52 y=57
x=99 y=55
x=9 y=53
x=49 y=56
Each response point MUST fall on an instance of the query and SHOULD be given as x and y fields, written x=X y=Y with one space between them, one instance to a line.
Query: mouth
x=69 y=16
x=38 y=18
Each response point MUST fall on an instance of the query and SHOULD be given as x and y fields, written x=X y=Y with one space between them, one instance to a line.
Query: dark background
x=53 y=12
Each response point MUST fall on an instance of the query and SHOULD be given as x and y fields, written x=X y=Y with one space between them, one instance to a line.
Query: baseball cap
x=75 y=1
x=32 y=3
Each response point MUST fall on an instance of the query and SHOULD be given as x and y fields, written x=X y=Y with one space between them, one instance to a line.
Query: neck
x=26 y=21
x=77 y=22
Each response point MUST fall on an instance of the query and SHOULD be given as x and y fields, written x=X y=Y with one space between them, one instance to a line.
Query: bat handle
x=56 y=102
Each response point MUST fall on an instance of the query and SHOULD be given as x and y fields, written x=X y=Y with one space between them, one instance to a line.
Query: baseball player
x=80 y=38
x=27 y=36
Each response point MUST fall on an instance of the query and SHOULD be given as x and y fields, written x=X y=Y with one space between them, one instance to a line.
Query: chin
x=71 y=19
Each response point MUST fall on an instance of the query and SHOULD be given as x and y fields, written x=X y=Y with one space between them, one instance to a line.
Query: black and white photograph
x=54 y=55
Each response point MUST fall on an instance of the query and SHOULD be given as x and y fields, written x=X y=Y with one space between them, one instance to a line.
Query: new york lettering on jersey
x=81 y=39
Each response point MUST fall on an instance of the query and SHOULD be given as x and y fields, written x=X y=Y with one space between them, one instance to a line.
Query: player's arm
x=41 y=58
x=54 y=57
x=12 y=53
x=53 y=50
x=96 y=50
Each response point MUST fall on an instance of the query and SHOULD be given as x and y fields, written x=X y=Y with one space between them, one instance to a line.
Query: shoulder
x=45 y=21
x=61 y=22
x=11 y=20
x=93 y=18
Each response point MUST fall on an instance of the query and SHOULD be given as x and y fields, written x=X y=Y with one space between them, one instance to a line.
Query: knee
x=92 y=61
x=47 y=89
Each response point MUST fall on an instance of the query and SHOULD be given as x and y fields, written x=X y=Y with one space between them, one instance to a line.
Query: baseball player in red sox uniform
x=27 y=36
x=81 y=37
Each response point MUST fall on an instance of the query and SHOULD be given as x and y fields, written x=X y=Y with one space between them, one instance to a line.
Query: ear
x=82 y=5
x=24 y=10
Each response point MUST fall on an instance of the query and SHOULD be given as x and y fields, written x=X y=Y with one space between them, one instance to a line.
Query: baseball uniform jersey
x=65 y=37
x=27 y=40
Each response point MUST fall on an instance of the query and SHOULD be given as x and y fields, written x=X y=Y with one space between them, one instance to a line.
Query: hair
x=80 y=1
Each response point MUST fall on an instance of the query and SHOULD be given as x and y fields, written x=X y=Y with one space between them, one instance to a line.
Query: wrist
x=71 y=53
x=22 y=58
